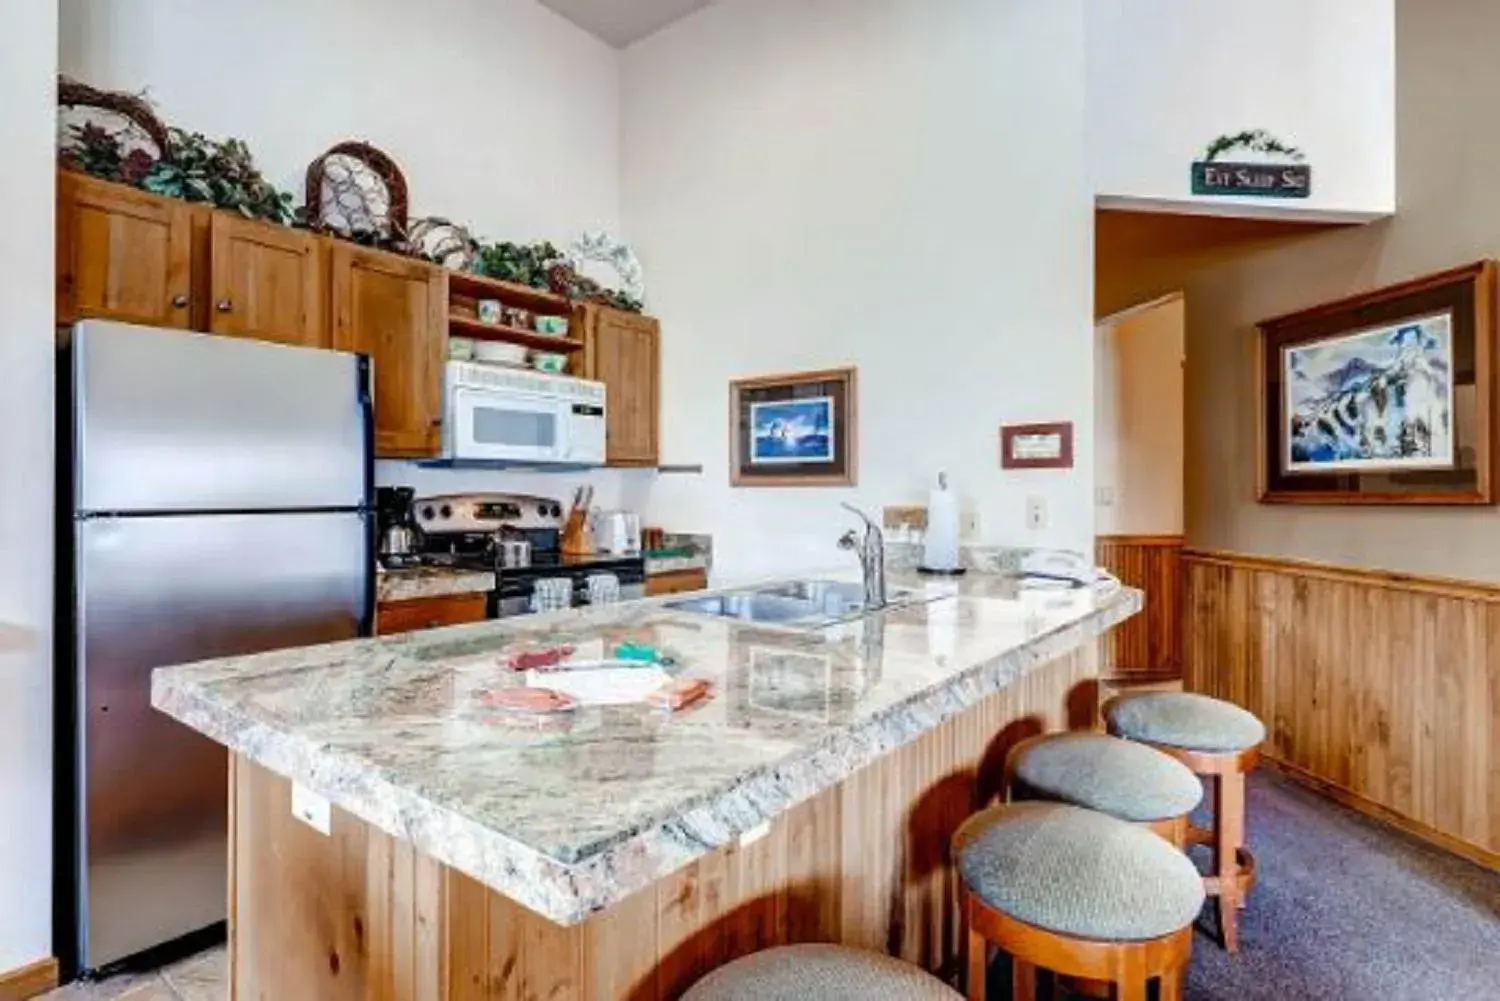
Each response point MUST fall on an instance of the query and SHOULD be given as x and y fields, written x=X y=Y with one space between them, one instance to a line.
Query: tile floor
x=203 y=977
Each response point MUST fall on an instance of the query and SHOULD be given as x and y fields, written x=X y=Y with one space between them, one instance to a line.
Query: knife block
x=577 y=536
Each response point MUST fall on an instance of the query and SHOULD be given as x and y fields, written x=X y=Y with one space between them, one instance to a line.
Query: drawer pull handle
x=225 y=305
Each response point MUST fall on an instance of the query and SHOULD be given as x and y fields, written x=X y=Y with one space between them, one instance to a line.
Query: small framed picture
x=1037 y=446
x=794 y=430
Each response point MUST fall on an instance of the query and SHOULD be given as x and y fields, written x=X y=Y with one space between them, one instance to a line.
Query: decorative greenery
x=195 y=169
x=101 y=153
x=1254 y=141
x=223 y=174
x=543 y=266
x=524 y=264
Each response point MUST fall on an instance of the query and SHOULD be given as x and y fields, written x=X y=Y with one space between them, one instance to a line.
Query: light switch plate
x=312 y=809
x=1036 y=513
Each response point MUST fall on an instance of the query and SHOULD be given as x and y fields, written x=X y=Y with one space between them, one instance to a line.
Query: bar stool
x=1219 y=741
x=1128 y=781
x=1076 y=892
x=819 y=973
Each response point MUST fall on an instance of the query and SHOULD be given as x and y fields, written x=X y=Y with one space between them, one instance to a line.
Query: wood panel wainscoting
x=1147 y=648
x=360 y=914
x=29 y=981
x=1379 y=689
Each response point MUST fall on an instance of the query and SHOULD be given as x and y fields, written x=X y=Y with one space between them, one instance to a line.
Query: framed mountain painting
x=1382 y=398
x=794 y=430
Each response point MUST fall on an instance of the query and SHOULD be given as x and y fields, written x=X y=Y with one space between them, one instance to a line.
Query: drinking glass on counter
x=552 y=594
x=603 y=589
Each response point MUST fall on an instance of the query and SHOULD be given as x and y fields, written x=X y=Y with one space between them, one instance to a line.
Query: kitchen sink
x=806 y=604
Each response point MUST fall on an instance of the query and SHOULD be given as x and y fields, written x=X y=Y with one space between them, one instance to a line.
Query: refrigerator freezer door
x=152 y=794
x=172 y=421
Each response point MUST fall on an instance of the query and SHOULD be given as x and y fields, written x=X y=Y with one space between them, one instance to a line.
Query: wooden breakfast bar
x=628 y=852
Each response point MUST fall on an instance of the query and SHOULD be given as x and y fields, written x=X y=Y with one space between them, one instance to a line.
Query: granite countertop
x=569 y=821
x=430 y=582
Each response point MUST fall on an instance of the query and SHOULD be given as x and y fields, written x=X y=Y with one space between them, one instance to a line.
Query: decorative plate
x=356 y=191
x=442 y=241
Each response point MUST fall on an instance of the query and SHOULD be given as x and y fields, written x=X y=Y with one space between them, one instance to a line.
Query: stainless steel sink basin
x=748 y=606
x=806 y=604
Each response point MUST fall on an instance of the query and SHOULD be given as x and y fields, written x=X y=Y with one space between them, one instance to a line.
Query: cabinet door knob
x=437 y=422
x=224 y=306
x=180 y=301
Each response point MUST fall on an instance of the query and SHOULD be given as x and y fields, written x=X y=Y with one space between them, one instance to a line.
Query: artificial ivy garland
x=1253 y=141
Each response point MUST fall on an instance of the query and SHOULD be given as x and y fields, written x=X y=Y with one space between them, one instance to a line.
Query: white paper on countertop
x=602 y=686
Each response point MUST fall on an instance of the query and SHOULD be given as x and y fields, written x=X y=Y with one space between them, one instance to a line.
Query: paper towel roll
x=941 y=550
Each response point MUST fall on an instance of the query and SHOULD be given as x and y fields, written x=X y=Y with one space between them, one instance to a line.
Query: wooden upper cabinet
x=122 y=254
x=265 y=282
x=395 y=310
x=623 y=351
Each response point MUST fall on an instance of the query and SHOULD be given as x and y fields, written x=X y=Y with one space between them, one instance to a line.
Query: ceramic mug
x=490 y=311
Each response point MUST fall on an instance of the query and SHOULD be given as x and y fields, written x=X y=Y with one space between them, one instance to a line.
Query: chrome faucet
x=871 y=558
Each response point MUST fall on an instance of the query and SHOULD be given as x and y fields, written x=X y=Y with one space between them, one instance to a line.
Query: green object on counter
x=637 y=652
x=679 y=553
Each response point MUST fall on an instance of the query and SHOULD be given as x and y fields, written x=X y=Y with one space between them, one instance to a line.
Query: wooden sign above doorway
x=1283 y=174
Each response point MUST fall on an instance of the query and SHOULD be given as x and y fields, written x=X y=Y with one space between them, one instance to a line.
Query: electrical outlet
x=968 y=524
x=1104 y=497
x=1036 y=513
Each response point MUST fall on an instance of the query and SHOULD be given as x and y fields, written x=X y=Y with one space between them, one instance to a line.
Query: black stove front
x=514 y=587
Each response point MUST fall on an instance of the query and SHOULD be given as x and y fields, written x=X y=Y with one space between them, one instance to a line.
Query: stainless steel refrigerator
x=215 y=500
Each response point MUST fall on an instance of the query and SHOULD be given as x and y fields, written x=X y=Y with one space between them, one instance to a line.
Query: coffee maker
x=398 y=531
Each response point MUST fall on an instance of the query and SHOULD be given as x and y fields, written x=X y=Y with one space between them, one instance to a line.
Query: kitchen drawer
x=676 y=583
x=429 y=613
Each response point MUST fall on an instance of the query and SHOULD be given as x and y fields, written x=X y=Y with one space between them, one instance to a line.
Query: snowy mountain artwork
x=792 y=431
x=1380 y=399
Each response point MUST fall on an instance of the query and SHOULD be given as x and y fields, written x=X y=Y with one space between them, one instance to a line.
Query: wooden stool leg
x=1171 y=985
x=1131 y=989
x=1023 y=981
x=979 y=965
x=1229 y=835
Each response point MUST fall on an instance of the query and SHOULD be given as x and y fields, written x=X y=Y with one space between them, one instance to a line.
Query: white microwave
x=504 y=415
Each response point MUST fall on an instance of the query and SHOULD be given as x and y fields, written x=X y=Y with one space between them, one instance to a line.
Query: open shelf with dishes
x=514 y=318
x=468 y=326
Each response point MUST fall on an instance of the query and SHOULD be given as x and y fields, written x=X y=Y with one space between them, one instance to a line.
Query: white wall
x=1166 y=77
x=28 y=67
x=1138 y=421
x=894 y=183
x=501 y=114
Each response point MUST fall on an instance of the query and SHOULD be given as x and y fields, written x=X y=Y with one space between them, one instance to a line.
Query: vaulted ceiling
x=620 y=22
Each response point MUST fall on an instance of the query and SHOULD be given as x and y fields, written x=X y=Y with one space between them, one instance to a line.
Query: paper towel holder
x=950 y=523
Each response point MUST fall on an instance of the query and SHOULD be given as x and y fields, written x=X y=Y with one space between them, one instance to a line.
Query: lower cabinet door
x=429 y=613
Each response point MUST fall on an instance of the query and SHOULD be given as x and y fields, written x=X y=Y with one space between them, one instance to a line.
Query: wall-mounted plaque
x=1037 y=446
x=1281 y=173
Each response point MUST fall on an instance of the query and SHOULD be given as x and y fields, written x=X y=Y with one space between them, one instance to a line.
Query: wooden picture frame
x=1012 y=457
x=826 y=401
x=1460 y=303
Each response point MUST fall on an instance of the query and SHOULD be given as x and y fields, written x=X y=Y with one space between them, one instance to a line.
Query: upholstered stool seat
x=1183 y=719
x=1220 y=742
x=1075 y=891
x=1129 y=781
x=819 y=973
x=1077 y=872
